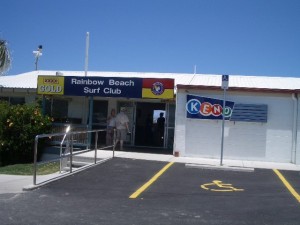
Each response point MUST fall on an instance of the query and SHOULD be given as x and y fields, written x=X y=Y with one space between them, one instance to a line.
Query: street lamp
x=37 y=55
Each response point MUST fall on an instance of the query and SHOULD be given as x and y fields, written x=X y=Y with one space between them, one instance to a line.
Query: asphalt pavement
x=177 y=194
x=16 y=184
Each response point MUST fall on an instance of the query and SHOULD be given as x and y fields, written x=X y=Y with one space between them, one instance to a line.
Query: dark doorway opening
x=149 y=128
x=100 y=119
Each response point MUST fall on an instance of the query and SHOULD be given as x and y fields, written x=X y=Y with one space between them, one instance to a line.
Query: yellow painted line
x=151 y=181
x=287 y=184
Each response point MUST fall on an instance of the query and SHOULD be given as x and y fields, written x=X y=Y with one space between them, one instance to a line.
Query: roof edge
x=245 y=89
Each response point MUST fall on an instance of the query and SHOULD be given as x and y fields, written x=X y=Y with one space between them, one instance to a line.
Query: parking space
x=290 y=180
x=226 y=197
x=177 y=195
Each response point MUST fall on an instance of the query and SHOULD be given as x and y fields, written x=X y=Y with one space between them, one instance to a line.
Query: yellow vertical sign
x=50 y=85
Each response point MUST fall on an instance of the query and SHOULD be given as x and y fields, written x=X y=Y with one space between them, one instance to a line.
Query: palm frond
x=5 y=59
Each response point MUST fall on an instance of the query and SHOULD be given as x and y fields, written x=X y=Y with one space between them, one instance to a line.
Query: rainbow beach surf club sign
x=198 y=107
x=106 y=86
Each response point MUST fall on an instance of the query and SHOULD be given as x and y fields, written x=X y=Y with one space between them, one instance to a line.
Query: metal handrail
x=71 y=153
x=61 y=144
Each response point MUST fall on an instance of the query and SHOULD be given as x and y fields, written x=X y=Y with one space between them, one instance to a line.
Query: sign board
x=126 y=87
x=198 y=107
x=225 y=81
x=103 y=86
x=53 y=85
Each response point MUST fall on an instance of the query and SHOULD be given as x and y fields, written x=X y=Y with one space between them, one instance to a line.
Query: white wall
x=271 y=141
x=297 y=154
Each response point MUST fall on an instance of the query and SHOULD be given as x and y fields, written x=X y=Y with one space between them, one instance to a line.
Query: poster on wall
x=198 y=107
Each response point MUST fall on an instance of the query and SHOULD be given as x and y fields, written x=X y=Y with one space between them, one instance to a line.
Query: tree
x=5 y=60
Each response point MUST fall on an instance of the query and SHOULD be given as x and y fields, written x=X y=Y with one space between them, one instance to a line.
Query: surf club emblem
x=157 y=88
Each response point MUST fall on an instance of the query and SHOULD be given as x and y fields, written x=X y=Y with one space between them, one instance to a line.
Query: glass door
x=130 y=112
x=170 y=125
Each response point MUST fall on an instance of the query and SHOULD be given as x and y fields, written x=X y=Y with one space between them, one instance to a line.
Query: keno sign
x=198 y=107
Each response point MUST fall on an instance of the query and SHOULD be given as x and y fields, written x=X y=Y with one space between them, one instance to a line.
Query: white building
x=263 y=126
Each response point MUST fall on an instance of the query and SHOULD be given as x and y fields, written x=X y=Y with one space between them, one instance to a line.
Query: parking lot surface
x=178 y=195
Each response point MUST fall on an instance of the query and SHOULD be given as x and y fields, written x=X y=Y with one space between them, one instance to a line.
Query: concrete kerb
x=224 y=167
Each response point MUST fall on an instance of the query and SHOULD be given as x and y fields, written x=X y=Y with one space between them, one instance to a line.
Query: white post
x=223 y=123
x=85 y=116
x=87 y=53
x=224 y=86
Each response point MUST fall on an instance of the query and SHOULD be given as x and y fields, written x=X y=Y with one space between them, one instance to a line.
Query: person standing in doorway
x=122 y=125
x=111 y=125
x=161 y=127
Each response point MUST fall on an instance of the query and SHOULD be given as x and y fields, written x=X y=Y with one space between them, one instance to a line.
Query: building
x=262 y=122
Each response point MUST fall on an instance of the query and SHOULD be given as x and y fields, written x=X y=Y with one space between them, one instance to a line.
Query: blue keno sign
x=198 y=107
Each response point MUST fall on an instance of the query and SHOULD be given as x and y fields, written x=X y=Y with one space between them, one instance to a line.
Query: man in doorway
x=122 y=125
x=161 y=126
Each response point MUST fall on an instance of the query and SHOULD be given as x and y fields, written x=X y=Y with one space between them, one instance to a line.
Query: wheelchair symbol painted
x=218 y=185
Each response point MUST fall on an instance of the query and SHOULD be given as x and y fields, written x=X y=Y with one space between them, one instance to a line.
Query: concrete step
x=77 y=164
x=83 y=159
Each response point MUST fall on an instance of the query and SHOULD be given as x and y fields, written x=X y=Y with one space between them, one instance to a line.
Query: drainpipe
x=295 y=130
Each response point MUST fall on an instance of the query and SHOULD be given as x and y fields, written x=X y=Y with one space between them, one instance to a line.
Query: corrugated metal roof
x=29 y=80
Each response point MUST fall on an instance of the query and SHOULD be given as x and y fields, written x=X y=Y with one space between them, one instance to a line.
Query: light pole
x=37 y=55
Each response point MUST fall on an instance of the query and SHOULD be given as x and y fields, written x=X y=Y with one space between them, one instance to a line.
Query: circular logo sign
x=193 y=106
x=157 y=88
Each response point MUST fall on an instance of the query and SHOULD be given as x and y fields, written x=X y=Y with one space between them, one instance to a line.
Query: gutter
x=295 y=130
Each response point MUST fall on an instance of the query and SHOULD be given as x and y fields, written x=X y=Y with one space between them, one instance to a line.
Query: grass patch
x=27 y=169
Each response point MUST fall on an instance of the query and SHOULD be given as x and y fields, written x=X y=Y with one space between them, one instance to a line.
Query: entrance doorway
x=150 y=124
x=99 y=119
x=149 y=133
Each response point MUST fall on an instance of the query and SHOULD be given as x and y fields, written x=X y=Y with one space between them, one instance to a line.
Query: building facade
x=264 y=129
x=262 y=122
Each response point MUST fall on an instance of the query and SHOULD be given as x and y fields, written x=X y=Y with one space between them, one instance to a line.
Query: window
x=16 y=101
x=58 y=109
x=250 y=113
x=13 y=100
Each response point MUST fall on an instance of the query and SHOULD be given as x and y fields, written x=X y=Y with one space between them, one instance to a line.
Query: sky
x=235 y=37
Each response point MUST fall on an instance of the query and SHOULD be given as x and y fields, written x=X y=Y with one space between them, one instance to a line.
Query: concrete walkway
x=15 y=184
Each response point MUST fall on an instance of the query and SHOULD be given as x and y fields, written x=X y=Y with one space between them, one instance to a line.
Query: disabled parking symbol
x=219 y=186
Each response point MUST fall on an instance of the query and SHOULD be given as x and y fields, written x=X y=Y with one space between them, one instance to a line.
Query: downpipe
x=295 y=128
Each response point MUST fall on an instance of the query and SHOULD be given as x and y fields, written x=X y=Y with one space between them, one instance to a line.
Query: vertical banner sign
x=198 y=107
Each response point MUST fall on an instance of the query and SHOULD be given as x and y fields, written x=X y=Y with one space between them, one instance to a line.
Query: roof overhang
x=17 y=90
x=237 y=89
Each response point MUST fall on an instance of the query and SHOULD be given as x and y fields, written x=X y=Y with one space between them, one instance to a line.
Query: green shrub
x=19 y=124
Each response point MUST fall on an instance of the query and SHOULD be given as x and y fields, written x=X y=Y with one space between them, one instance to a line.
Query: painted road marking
x=218 y=185
x=287 y=184
x=151 y=181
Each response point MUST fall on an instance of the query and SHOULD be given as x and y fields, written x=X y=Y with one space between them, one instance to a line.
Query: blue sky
x=241 y=37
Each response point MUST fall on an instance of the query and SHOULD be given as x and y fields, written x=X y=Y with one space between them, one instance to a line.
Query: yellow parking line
x=287 y=184
x=151 y=181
